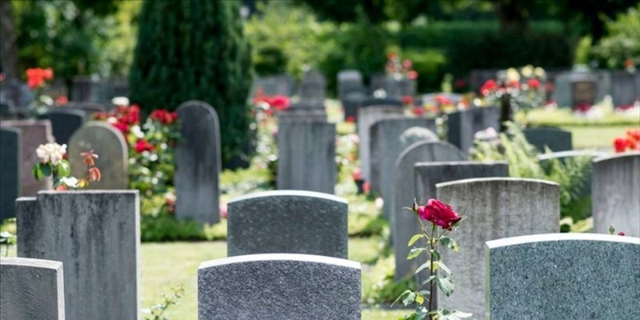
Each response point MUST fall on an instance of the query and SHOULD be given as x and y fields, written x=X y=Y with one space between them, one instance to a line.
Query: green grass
x=596 y=137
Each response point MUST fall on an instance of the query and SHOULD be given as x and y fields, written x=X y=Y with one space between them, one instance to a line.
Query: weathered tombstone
x=312 y=89
x=386 y=147
x=562 y=276
x=111 y=148
x=64 y=122
x=10 y=144
x=306 y=155
x=494 y=208
x=96 y=235
x=615 y=186
x=463 y=125
x=274 y=85
x=31 y=289
x=351 y=92
x=34 y=133
x=427 y=175
x=367 y=116
x=555 y=139
x=415 y=134
x=625 y=88
x=581 y=86
x=288 y=221
x=198 y=163
x=279 y=286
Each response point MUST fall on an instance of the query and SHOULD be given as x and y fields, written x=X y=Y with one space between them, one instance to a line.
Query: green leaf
x=400 y=296
x=36 y=172
x=415 y=252
x=415 y=238
x=64 y=168
x=45 y=169
x=449 y=243
x=442 y=266
x=445 y=285
x=419 y=299
x=409 y=299
x=423 y=266
x=431 y=278
x=435 y=255
x=612 y=229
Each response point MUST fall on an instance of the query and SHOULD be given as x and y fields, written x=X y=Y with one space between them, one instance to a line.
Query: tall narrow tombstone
x=198 y=163
x=427 y=175
x=34 y=133
x=10 y=145
x=279 y=286
x=306 y=155
x=111 y=148
x=463 y=125
x=615 y=187
x=31 y=289
x=64 y=122
x=288 y=221
x=96 y=235
x=367 y=116
x=555 y=139
x=494 y=208
x=562 y=276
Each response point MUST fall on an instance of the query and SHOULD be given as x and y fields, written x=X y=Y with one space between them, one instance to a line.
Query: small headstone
x=111 y=148
x=96 y=235
x=555 y=139
x=274 y=85
x=64 y=122
x=615 y=186
x=416 y=134
x=312 y=89
x=198 y=163
x=583 y=89
x=367 y=116
x=427 y=175
x=463 y=125
x=10 y=144
x=306 y=155
x=581 y=86
x=351 y=91
x=34 y=133
x=279 y=286
x=625 y=88
x=288 y=221
x=494 y=208
x=562 y=276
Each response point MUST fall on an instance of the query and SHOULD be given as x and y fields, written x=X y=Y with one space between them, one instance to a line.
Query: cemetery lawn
x=596 y=136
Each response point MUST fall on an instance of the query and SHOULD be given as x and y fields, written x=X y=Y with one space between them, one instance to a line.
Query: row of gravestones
x=288 y=248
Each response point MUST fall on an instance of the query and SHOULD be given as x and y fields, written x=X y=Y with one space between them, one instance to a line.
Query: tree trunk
x=8 y=46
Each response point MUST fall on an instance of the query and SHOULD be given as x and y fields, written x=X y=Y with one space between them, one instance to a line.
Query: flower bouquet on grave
x=52 y=163
x=441 y=219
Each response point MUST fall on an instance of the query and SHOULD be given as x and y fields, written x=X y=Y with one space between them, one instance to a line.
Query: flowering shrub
x=442 y=219
x=399 y=68
x=52 y=162
x=629 y=142
x=525 y=88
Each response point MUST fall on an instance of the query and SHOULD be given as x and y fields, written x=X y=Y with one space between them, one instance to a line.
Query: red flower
x=100 y=116
x=279 y=102
x=143 y=145
x=412 y=75
x=533 y=83
x=418 y=111
x=163 y=116
x=407 y=64
x=366 y=187
x=392 y=56
x=121 y=126
x=439 y=214
x=584 y=107
x=442 y=100
x=514 y=84
x=350 y=119
x=224 y=212
x=88 y=157
x=407 y=100
x=94 y=174
x=62 y=100
x=356 y=174
x=632 y=144
x=634 y=134
x=620 y=145
x=621 y=234
x=37 y=76
x=488 y=87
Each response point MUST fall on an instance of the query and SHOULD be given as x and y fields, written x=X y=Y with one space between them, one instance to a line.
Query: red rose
x=418 y=111
x=143 y=145
x=439 y=214
x=279 y=102
x=442 y=100
x=488 y=87
x=533 y=83
x=350 y=119
x=121 y=126
x=62 y=100
x=407 y=100
x=634 y=135
x=620 y=145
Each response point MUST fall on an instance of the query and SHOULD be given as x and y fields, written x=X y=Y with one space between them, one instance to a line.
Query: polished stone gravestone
x=367 y=116
x=562 y=276
x=553 y=138
x=494 y=208
x=31 y=289
x=96 y=235
x=427 y=175
x=10 y=185
x=463 y=125
x=64 y=122
x=110 y=146
x=306 y=155
x=198 y=163
x=288 y=221
x=351 y=92
x=34 y=133
x=625 y=88
x=385 y=148
x=615 y=187
x=279 y=286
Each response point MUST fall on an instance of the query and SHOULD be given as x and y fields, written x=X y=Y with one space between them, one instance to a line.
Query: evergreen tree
x=190 y=50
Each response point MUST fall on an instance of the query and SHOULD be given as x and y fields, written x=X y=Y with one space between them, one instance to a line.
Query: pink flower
x=224 y=213
x=412 y=75
x=356 y=174
x=621 y=234
x=439 y=214
x=407 y=100
x=533 y=83
x=418 y=111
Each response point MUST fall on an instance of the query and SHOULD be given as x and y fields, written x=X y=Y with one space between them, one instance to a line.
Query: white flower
x=51 y=152
x=70 y=182
x=137 y=132
x=486 y=134
x=120 y=101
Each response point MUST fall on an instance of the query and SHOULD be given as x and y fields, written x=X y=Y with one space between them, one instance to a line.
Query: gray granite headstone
x=463 y=125
x=592 y=87
x=427 y=175
x=494 y=208
x=416 y=134
x=64 y=122
x=274 y=85
x=615 y=186
x=562 y=276
x=34 y=133
x=385 y=148
x=110 y=146
x=584 y=89
x=10 y=145
x=96 y=235
x=198 y=163
x=306 y=155
x=31 y=289
x=279 y=286
x=555 y=139
x=367 y=116
x=351 y=91
x=288 y=221
x=625 y=88
x=312 y=89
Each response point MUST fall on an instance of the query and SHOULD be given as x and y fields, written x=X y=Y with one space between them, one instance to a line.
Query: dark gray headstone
x=494 y=208
x=555 y=139
x=351 y=92
x=463 y=125
x=367 y=116
x=10 y=185
x=288 y=221
x=31 y=289
x=279 y=286
x=584 y=89
x=563 y=276
x=96 y=235
x=64 y=122
x=198 y=163
x=616 y=186
x=625 y=88
x=274 y=85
